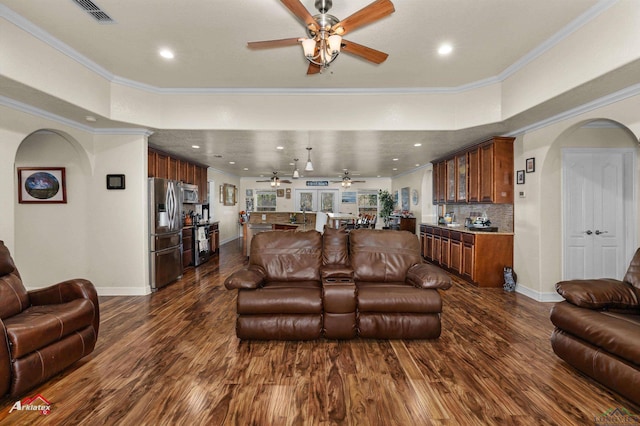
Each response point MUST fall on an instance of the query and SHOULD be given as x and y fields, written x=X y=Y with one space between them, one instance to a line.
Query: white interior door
x=594 y=214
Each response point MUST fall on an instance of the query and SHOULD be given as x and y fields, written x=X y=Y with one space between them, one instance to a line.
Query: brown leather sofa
x=307 y=285
x=44 y=330
x=597 y=329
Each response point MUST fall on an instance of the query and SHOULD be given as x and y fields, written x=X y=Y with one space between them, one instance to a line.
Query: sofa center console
x=339 y=296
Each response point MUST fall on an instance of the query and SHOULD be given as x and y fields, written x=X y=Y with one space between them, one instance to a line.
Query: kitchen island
x=260 y=222
x=477 y=256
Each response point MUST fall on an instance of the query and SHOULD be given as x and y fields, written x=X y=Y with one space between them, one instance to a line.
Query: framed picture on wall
x=520 y=177
x=42 y=185
x=531 y=165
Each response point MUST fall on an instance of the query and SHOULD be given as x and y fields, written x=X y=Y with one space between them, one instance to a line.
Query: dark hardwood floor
x=172 y=358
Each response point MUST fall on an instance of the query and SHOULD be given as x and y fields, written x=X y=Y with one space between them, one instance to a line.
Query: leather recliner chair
x=44 y=330
x=597 y=329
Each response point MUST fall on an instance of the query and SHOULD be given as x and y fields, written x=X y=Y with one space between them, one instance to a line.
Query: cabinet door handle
x=598 y=232
x=588 y=232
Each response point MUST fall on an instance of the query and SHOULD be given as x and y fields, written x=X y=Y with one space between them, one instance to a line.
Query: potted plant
x=386 y=207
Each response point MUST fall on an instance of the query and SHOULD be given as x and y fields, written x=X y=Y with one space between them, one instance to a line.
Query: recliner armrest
x=250 y=278
x=604 y=293
x=425 y=275
x=67 y=291
x=336 y=271
x=5 y=361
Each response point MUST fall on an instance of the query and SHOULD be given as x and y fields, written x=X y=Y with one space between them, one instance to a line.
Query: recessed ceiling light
x=166 y=53
x=232 y=162
x=90 y=118
x=195 y=146
x=245 y=169
x=395 y=159
x=417 y=144
x=417 y=164
x=279 y=147
x=445 y=49
x=395 y=168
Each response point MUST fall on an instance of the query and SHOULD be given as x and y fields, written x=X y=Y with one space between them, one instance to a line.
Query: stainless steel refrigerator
x=165 y=232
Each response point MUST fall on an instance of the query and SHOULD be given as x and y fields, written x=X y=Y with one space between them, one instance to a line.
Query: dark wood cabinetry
x=214 y=238
x=163 y=165
x=403 y=223
x=482 y=173
x=478 y=258
x=187 y=247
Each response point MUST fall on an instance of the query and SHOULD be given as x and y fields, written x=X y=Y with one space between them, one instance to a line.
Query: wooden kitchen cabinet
x=214 y=238
x=165 y=166
x=461 y=178
x=476 y=257
x=173 y=168
x=187 y=247
x=451 y=180
x=482 y=173
x=473 y=175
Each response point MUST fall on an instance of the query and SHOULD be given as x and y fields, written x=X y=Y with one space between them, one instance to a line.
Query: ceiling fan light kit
x=325 y=42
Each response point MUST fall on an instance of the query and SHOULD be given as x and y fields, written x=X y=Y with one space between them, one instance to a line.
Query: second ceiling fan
x=346 y=180
x=325 y=31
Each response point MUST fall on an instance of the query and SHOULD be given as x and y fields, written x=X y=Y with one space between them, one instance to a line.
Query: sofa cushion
x=280 y=300
x=398 y=298
x=604 y=293
x=335 y=249
x=382 y=255
x=616 y=333
x=39 y=326
x=13 y=296
x=288 y=255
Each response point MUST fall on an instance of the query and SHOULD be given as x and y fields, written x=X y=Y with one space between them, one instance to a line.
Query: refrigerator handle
x=172 y=205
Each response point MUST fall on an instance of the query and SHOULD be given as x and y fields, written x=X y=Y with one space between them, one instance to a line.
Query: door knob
x=598 y=232
x=588 y=232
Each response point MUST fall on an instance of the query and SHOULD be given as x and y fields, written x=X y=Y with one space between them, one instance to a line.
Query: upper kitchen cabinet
x=482 y=173
x=163 y=165
x=496 y=171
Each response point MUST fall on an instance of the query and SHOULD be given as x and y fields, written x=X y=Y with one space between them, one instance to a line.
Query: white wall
x=414 y=180
x=227 y=216
x=538 y=217
x=99 y=235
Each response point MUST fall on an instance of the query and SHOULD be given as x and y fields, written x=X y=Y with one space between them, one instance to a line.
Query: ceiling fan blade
x=268 y=44
x=296 y=7
x=358 y=181
x=285 y=181
x=364 y=52
x=368 y=14
x=313 y=69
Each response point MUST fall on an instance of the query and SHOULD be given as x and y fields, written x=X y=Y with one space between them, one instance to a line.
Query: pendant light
x=296 y=173
x=309 y=166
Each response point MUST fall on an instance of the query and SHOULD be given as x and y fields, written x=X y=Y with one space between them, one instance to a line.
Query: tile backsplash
x=500 y=215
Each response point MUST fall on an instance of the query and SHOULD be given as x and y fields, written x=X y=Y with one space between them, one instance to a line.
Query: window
x=265 y=201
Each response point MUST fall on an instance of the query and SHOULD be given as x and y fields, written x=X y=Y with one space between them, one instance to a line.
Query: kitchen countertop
x=461 y=228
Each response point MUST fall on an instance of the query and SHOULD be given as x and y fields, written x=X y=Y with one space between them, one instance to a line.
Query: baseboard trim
x=123 y=291
x=536 y=295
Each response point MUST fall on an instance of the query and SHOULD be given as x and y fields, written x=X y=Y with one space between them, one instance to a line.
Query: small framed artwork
x=531 y=165
x=288 y=193
x=248 y=193
x=280 y=193
x=520 y=177
x=42 y=185
x=229 y=194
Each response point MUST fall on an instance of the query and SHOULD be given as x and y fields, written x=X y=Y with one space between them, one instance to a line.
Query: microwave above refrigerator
x=189 y=193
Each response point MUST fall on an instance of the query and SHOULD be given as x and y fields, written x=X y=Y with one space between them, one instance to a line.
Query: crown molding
x=47 y=38
x=28 y=109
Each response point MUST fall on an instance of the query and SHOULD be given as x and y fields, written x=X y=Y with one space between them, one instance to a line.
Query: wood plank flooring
x=172 y=358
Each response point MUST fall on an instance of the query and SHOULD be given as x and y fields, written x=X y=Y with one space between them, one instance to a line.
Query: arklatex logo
x=35 y=403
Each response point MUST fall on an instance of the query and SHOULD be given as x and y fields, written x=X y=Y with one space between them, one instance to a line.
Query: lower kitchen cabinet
x=187 y=247
x=214 y=238
x=477 y=257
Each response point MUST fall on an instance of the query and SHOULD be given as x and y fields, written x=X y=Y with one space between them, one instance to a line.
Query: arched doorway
x=598 y=186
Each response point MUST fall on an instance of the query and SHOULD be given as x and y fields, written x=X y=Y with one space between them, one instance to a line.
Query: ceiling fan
x=346 y=180
x=325 y=31
x=275 y=180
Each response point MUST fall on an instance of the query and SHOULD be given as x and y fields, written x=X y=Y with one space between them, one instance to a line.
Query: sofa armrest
x=425 y=275
x=250 y=278
x=67 y=291
x=601 y=293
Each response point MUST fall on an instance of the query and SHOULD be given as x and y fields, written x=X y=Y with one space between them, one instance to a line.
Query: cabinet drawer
x=468 y=238
x=455 y=235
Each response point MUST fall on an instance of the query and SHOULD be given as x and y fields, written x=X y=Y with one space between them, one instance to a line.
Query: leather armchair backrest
x=382 y=255
x=633 y=273
x=288 y=255
x=335 y=249
x=13 y=296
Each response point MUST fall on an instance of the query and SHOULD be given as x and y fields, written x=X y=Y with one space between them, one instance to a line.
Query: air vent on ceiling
x=93 y=10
